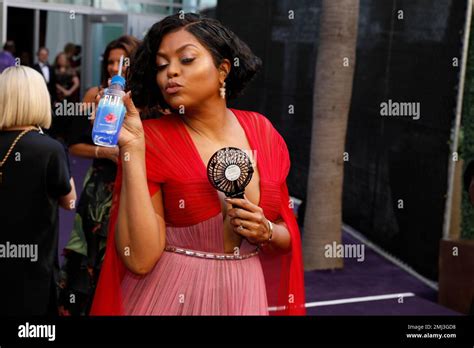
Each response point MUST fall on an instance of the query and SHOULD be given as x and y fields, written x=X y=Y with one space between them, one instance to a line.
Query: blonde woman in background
x=34 y=181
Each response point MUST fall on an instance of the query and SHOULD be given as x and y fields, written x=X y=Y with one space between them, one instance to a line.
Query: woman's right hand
x=131 y=134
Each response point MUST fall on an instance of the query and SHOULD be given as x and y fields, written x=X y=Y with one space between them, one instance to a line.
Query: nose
x=115 y=68
x=173 y=69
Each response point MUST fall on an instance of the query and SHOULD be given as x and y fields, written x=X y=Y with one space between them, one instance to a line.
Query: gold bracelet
x=270 y=225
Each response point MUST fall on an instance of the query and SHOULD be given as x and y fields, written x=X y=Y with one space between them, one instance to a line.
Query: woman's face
x=113 y=61
x=183 y=60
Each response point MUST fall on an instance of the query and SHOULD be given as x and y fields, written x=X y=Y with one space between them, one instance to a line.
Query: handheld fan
x=230 y=170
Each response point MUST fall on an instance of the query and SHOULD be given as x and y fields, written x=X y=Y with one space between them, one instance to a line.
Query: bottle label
x=111 y=99
x=109 y=118
x=110 y=111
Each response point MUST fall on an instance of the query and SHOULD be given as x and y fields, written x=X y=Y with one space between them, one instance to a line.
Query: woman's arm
x=93 y=151
x=60 y=89
x=140 y=233
x=281 y=239
x=88 y=150
x=74 y=87
x=91 y=94
x=68 y=201
x=255 y=226
x=140 y=229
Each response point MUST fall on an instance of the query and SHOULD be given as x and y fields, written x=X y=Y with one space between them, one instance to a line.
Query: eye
x=184 y=61
x=161 y=67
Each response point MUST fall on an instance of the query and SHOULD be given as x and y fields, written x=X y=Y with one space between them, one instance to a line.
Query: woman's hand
x=248 y=220
x=131 y=134
x=110 y=153
x=101 y=91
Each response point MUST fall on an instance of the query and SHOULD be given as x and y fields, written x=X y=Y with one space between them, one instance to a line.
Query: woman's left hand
x=248 y=220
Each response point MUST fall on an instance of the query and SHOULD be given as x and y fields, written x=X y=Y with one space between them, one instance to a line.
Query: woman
x=34 y=180
x=163 y=200
x=67 y=81
x=67 y=90
x=71 y=50
x=85 y=249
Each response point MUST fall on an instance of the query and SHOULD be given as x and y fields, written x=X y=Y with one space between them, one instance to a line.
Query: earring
x=222 y=91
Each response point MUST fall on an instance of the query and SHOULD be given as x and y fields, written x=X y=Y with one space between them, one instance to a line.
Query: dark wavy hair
x=126 y=42
x=220 y=41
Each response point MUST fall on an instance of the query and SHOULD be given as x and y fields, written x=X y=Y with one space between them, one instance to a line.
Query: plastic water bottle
x=110 y=112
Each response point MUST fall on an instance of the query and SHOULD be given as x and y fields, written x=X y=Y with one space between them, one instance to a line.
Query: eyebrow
x=177 y=51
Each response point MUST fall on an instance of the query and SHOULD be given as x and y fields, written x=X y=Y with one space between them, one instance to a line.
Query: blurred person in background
x=72 y=52
x=67 y=90
x=67 y=81
x=34 y=180
x=7 y=56
x=45 y=69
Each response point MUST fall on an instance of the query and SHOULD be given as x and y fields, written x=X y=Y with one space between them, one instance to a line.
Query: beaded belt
x=211 y=256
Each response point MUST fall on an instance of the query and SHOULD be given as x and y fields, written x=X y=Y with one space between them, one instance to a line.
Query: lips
x=172 y=90
x=172 y=87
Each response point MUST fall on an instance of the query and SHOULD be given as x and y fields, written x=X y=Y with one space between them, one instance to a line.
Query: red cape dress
x=175 y=166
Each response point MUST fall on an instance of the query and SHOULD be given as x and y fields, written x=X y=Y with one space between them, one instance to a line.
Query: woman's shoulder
x=266 y=134
x=251 y=116
x=91 y=93
x=42 y=144
x=164 y=134
x=257 y=122
x=48 y=141
x=163 y=124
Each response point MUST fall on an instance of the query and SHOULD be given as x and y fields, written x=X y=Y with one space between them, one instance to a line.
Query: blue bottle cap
x=119 y=80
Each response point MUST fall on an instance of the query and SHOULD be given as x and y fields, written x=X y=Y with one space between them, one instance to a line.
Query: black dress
x=62 y=125
x=35 y=175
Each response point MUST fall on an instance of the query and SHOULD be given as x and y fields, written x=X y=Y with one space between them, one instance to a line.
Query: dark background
x=407 y=60
x=20 y=28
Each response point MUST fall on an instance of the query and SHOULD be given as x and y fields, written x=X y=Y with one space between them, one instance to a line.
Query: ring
x=240 y=228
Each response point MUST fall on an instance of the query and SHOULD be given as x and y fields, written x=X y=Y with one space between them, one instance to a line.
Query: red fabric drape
x=108 y=295
x=170 y=153
x=294 y=296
